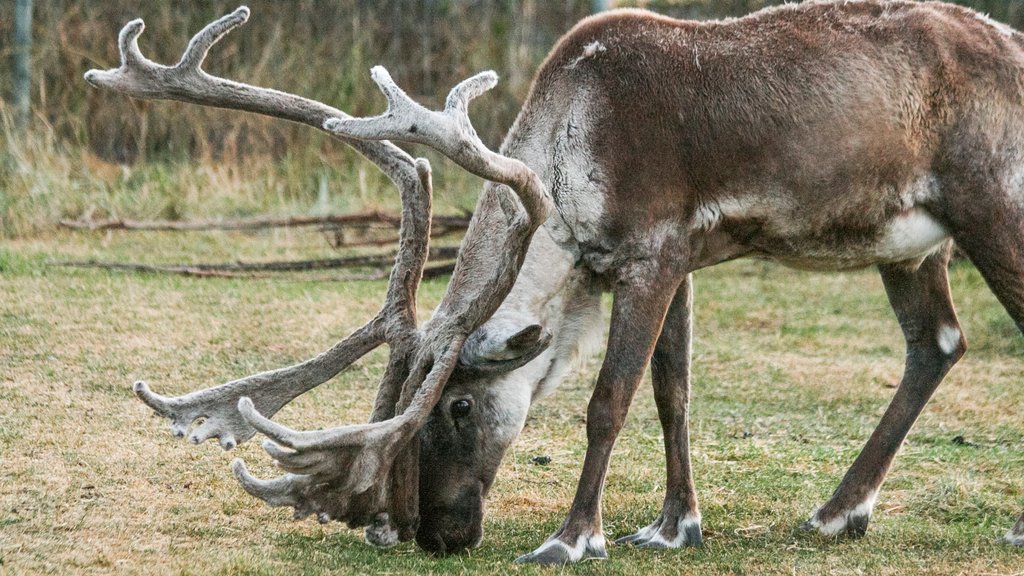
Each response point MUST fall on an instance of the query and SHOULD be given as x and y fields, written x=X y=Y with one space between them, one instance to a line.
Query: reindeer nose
x=447 y=533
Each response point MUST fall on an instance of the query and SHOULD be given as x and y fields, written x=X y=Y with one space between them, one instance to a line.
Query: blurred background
x=70 y=151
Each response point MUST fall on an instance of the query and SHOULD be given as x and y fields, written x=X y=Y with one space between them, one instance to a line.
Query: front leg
x=679 y=522
x=637 y=315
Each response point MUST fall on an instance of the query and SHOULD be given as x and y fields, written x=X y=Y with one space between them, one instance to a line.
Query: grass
x=792 y=372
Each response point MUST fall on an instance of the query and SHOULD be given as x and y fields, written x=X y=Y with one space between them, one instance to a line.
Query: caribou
x=822 y=135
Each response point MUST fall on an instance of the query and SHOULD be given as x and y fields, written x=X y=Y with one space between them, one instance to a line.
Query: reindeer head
x=551 y=316
x=480 y=413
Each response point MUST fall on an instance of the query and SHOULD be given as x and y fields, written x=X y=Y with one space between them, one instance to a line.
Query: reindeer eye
x=461 y=408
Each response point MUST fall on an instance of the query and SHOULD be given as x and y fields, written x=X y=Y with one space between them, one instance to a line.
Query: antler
x=395 y=323
x=358 y=473
x=450 y=132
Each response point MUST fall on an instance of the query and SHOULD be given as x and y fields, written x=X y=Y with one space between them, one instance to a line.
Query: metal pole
x=22 y=61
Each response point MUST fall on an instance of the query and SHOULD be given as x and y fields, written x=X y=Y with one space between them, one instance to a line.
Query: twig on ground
x=444 y=224
x=262 y=269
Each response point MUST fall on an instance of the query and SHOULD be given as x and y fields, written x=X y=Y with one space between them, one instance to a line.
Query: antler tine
x=201 y=43
x=408 y=121
x=398 y=100
x=142 y=78
x=158 y=403
x=341 y=436
x=459 y=97
x=449 y=132
x=276 y=492
x=271 y=390
x=128 y=44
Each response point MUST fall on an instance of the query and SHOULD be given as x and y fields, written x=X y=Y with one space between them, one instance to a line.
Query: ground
x=792 y=372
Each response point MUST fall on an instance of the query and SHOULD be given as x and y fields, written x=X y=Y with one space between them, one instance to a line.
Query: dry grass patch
x=791 y=374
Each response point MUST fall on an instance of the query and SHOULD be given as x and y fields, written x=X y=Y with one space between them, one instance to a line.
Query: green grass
x=792 y=372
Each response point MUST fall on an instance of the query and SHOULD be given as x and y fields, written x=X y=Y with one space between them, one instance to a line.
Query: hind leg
x=920 y=298
x=998 y=253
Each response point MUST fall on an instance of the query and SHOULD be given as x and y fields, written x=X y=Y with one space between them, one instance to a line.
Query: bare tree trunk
x=22 y=60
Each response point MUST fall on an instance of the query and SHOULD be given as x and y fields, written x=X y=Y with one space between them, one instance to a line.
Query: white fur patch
x=576 y=551
x=589 y=51
x=949 y=339
x=839 y=523
x=1014 y=538
x=710 y=214
x=551 y=292
x=706 y=217
x=653 y=535
x=913 y=234
x=381 y=534
x=924 y=189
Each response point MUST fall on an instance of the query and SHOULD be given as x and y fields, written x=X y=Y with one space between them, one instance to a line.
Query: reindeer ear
x=487 y=355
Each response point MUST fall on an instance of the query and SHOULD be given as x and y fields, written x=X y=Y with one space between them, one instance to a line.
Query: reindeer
x=826 y=136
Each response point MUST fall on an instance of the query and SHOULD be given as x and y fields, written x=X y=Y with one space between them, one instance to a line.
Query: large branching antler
x=186 y=81
x=358 y=473
x=218 y=408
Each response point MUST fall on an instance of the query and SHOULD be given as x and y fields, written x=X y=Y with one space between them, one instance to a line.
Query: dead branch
x=253 y=269
x=359 y=261
x=443 y=224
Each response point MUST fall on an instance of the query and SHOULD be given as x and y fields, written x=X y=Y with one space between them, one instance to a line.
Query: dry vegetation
x=792 y=372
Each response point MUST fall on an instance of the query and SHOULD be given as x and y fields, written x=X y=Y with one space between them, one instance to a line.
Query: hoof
x=852 y=523
x=380 y=534
x=1015 y=535
x=555 y=552
x=667 y=533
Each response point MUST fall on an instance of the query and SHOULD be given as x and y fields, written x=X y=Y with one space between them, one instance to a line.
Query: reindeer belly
x=908 y=236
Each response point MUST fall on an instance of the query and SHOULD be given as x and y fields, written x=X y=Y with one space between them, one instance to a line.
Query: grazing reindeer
x=822 y=135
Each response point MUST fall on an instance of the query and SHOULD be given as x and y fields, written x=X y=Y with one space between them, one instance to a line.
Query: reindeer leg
x=679 y=522
x=926 y=314
x=637 y=316
x=1015 y=535
x=999 y=256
